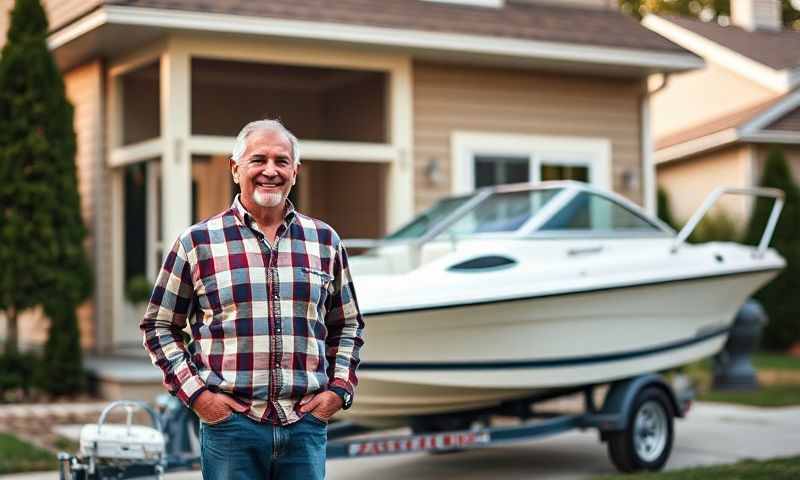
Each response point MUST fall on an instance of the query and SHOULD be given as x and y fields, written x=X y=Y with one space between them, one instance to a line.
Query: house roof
x=790 y=122
x=776 y=49
x=774 y=121
x=584 y=26
x=725 y=122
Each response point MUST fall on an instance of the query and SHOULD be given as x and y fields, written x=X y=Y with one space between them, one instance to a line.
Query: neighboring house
x=715 y=126
x=397 y=103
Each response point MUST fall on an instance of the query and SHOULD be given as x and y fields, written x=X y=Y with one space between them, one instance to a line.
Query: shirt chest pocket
x=311 y=286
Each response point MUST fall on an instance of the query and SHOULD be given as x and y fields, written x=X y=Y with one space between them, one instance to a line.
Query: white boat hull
x=453 y=358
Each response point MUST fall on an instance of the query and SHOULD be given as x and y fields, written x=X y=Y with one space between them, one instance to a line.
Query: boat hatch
x=483 y=263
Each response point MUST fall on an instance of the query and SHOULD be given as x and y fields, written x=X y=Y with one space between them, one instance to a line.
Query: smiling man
x=274 y=321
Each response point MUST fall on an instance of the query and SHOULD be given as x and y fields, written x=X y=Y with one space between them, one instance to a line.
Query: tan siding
x=703 y=95
x=449 y=98
x=84 y=86
x=689 y=182
x=59 y=13
x=62 y=12
x=5 y=11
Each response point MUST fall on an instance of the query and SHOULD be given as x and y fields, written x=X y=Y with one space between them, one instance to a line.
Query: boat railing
x=715 y=195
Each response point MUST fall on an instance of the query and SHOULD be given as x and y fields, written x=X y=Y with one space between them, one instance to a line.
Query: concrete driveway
x=712 y=434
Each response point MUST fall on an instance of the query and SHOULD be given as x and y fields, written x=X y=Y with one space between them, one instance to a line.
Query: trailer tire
x=646 y=442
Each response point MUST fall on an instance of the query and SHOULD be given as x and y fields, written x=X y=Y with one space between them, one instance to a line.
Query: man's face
x=266 y=171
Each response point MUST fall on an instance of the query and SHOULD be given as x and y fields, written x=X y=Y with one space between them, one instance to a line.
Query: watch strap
x=347 y=397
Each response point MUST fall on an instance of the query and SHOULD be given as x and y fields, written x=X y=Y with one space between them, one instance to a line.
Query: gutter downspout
x=648 y=163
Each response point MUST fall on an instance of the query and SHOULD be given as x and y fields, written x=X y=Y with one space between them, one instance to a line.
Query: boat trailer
x=635 y=420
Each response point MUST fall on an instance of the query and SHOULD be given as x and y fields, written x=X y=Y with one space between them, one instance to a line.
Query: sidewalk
x=712 y=434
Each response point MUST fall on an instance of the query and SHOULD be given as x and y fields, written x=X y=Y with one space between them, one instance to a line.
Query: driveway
x=712 y=434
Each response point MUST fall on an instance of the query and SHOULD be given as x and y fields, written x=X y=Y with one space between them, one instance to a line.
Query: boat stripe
x=547 y=363
x=562 y=294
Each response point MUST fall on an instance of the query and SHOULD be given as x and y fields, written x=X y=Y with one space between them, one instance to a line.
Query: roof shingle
x=731 y=120
x=787 y=123
x=515 y=20
x=779 y=50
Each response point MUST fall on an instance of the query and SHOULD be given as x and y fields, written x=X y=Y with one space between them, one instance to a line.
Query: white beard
x=268 y=200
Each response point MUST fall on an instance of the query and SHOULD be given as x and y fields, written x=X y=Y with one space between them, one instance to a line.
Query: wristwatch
x=347 y=397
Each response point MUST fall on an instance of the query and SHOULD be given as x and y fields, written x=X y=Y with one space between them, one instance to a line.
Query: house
x=715 y=126
x=397 y=103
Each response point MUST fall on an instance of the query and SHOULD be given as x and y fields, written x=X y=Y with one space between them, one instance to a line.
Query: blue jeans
x=239 y=448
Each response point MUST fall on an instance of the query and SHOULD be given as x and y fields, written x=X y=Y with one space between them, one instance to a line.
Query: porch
x=174 y=109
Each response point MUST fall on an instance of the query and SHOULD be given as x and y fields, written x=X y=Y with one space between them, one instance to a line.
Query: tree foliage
x=779 y=297
x=707 y=10
x=664 y=210
x=41 y=231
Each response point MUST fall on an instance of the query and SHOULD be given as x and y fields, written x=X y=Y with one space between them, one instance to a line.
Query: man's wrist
x=344 y=395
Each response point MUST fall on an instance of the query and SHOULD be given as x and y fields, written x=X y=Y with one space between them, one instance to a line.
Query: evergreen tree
x=41 y=230
x=779 y=297
x=663 y=209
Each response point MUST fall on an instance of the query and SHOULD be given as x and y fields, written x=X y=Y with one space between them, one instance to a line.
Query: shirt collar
x=248 y=219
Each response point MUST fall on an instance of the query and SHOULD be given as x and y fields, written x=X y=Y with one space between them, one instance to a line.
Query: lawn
x=779 y=376
x=18 y=456
x=776 y=469
x=766 y=396
x=775 y=361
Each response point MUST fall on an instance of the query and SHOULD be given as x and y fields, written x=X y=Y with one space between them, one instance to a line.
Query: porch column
x=176 y=162
x=400 y=194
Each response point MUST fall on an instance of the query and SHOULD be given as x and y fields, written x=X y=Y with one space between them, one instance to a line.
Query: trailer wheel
x=646 y=442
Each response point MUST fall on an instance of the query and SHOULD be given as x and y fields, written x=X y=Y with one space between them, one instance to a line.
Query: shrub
x=779 y=297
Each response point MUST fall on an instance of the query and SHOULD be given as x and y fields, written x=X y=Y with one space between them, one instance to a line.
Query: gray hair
x=268 y=125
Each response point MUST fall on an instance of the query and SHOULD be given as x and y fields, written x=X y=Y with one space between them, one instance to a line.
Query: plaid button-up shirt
x=271 y=324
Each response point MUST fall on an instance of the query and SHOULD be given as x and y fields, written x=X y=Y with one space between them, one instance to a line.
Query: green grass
x=775 y=361
x=784 y=392
x=766 y=396
x=776 y=469
x=18 y=456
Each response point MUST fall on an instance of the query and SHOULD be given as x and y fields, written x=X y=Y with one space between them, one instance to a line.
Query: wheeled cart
x=635 y=420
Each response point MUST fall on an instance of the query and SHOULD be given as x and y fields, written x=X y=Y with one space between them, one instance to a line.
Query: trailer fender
x=621 y=395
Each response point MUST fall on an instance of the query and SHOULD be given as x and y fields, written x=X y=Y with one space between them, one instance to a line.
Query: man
x=274 y=321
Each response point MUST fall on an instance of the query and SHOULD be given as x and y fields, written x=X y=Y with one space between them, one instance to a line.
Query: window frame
x=591 y=152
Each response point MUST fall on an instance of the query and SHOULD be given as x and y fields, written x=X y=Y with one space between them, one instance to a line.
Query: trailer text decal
x=441 y=441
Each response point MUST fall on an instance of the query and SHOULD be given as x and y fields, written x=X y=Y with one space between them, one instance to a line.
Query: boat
x=519 y=290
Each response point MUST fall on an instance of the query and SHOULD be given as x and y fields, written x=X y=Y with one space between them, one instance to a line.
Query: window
x=486 y=159
x=592 y=212
x=501 y=170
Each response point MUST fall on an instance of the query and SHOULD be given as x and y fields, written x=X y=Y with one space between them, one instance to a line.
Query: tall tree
x=779 y=297
x=41 y=231
x=704 y=9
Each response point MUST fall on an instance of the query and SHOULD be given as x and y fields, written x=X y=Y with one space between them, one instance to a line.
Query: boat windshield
x=429 y=218
x=502 y=212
